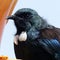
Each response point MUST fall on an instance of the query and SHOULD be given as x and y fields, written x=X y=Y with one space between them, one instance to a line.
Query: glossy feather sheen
x=41 y=41
x=50 y=33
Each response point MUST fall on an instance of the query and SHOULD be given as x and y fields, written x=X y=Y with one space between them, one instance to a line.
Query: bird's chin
x=21 y=37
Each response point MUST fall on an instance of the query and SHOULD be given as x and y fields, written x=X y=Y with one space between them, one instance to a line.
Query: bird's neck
x=33 y=33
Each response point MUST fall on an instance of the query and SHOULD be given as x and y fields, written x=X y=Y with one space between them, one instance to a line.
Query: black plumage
x=42 y=38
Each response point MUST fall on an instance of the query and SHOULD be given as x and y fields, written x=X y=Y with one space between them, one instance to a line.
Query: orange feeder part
x=6 y=8
x=3 y=58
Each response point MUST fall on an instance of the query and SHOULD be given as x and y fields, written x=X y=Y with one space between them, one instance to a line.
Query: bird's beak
x=14 y=17
x=10 y=17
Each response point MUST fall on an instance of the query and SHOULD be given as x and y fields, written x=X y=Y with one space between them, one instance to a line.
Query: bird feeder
x=6 y=8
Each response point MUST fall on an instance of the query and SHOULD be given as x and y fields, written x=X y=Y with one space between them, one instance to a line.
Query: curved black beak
x=13 y=17
x=10 y=17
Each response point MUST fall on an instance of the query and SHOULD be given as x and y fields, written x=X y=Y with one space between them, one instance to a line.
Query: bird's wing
x=50 y=33
x=52 y=46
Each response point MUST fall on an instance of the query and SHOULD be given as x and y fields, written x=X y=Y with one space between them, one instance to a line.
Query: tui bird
x=35 y=39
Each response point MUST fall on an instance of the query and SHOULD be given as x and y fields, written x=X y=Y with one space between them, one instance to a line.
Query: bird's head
x=26 y=19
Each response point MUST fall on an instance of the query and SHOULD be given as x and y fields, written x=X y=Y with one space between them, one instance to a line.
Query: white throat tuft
x=23 y=36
